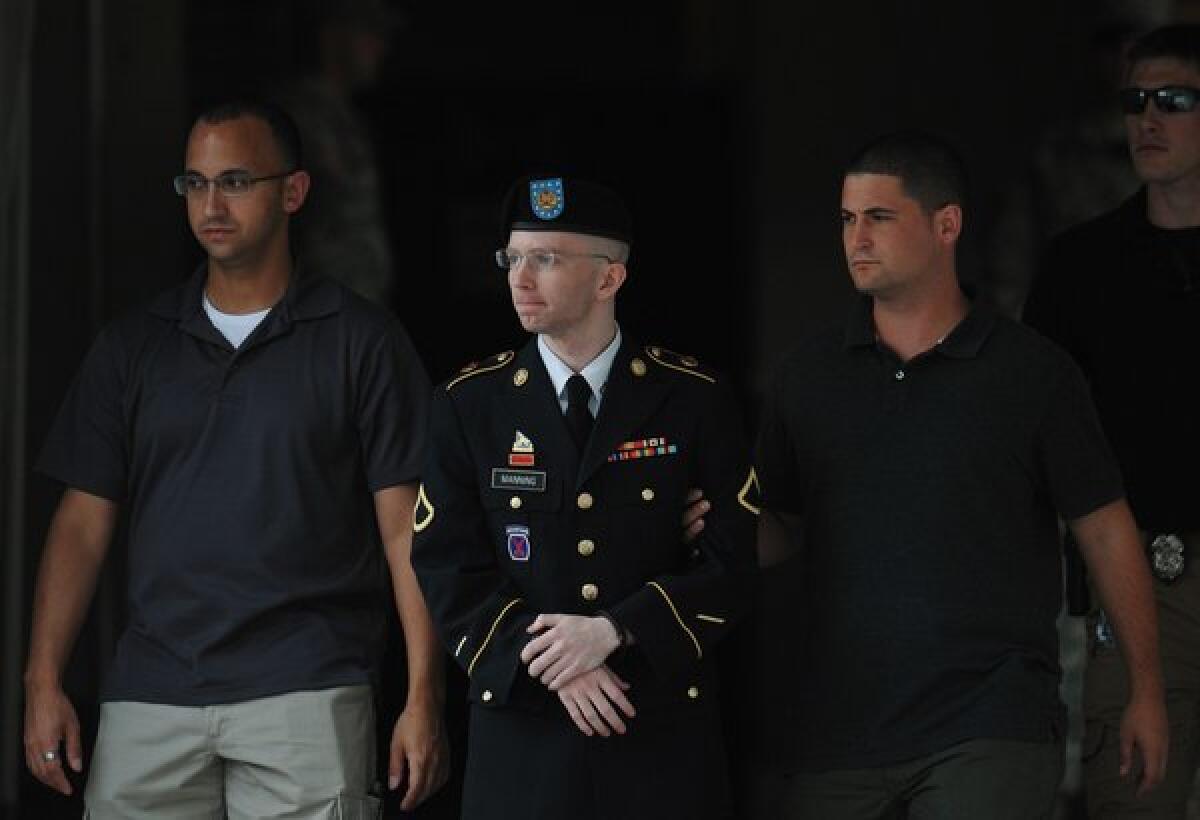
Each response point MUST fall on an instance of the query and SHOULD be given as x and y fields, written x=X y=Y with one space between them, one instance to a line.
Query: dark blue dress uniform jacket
x=499 y=541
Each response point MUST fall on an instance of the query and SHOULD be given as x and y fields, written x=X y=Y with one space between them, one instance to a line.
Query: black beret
x=555 y=203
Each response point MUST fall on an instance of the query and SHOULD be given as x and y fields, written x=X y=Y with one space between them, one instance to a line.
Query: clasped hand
x=568 y=655
x=566 y=646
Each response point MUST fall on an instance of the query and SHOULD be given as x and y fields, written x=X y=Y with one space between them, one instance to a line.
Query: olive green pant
x=302 y=755
x=979 y=779
x=1106 y=690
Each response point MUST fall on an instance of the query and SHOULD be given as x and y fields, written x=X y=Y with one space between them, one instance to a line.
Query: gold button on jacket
x=594 y=530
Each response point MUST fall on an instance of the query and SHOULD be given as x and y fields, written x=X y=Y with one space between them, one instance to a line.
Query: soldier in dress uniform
x=548 y=538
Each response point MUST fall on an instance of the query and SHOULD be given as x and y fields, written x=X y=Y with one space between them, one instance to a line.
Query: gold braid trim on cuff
x=491 y=632
x=675 y=612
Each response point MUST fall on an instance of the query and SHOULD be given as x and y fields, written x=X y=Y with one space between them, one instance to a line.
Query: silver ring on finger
x=50 y=756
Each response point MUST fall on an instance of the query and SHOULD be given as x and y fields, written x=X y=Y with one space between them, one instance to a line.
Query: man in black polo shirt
x=1122 y=294
x=920 y=455
x=262 y=432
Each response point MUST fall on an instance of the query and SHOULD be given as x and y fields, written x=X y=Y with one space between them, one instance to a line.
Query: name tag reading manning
x=532 y=481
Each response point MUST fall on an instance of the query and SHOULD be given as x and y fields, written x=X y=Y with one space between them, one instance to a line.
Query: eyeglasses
x=1170 y=99
x=540 y=260
x=230 y=183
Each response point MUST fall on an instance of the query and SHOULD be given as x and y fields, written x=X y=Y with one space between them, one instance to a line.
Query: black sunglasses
x=1170 y=99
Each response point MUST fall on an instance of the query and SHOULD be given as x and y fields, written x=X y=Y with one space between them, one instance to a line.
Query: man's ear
x=948 y=223
x=295 y=191
x=611 y=280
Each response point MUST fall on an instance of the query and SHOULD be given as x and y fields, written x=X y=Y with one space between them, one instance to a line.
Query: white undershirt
x=595 y=372
x=234 y=326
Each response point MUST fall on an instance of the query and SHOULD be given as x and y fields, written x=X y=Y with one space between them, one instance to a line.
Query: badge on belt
x=1166 y=557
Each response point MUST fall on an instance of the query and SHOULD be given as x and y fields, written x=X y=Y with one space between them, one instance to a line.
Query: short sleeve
x=775 y=456
x=88 y=444
x=1080 y=470
x=393 y=411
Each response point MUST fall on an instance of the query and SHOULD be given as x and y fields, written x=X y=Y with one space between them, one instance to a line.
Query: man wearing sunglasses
x=261 y=433
x=548 y=541
x=1122 y=294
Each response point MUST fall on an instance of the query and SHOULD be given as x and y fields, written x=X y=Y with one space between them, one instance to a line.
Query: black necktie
x=579 y=417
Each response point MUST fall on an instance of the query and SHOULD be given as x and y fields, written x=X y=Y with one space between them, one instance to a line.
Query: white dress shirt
x=595 y=372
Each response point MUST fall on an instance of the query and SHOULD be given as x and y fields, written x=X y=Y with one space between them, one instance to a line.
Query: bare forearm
x=426 y=665
x=425 y=658
x=1129 y=605
x=74 y=552
x=1109 y=542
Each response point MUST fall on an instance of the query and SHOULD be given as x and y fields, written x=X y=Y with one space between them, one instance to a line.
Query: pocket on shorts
x=1094 y=733
x=357 y=807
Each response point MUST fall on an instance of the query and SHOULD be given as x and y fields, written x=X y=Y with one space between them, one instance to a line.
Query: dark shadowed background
x=724 y=124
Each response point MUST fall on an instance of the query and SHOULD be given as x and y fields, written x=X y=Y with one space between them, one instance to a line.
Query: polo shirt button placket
x=231 y=365
x=897 y=376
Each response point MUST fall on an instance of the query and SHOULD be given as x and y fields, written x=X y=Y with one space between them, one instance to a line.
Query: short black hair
x=929 y=168
x=1180 y=41
x=283 y=127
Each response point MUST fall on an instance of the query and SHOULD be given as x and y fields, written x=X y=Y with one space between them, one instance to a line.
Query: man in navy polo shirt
x=924 y=451
x=262 y=431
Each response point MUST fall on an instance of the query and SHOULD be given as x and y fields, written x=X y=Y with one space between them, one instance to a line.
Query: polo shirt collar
x=307 y=297
x=1133 y=213
x=860 y=326
x=968 y=336
x=963 y=342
